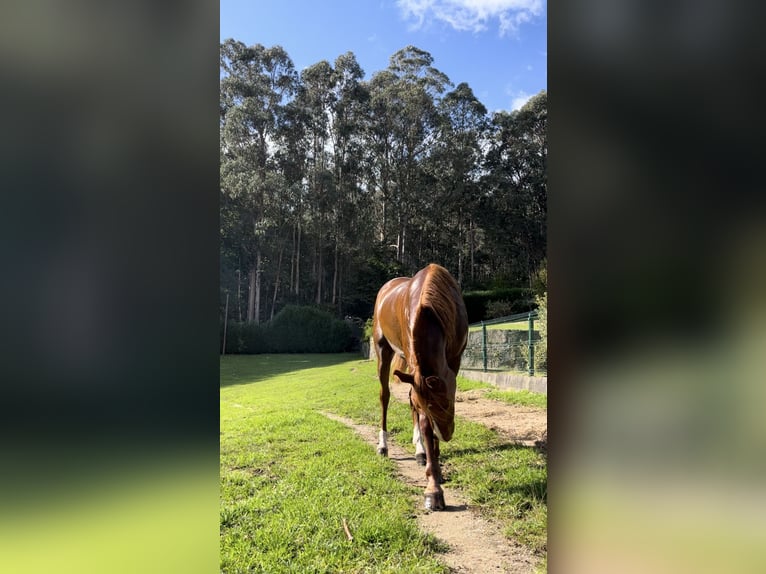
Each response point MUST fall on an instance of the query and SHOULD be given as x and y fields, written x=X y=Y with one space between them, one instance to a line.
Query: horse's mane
x=439 y=293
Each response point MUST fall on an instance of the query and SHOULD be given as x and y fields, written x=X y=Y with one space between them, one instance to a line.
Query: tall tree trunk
x=459 y=254
x=298 y=263
x=292 y=263
x=335 y=273
x=251 y=294
x=401 y=243
x=473 y=250
x=257 y=317
x=385 y=215
x=420 y=249
x=276 y=281
x=319 y=274
x=239 y=291
x=529 y=269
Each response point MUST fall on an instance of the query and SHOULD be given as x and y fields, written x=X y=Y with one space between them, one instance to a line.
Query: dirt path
x=475 y=544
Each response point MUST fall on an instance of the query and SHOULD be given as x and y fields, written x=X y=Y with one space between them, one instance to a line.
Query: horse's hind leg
x=385 y=354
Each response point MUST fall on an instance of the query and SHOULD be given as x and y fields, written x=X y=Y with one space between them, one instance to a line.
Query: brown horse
x=422 y=322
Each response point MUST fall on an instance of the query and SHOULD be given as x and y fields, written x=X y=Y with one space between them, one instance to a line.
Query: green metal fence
x=504 y=344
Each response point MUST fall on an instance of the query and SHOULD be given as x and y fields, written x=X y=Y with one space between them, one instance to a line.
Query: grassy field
x=520 y=397
x=290 y=476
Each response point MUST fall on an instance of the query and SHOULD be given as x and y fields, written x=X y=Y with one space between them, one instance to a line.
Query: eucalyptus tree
x=455 y=165
x=350 y=211
x=352 y=181
x=256 y=83
x=315 y=98
x=292 y=160
x=379 y=134
x=332 y=101
x=515 y=209
x=405 y=118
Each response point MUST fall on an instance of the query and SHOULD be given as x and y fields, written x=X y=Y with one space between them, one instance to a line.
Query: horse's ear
x=404 y=377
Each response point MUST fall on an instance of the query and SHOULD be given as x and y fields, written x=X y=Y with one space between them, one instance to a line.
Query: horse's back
x=400 y=303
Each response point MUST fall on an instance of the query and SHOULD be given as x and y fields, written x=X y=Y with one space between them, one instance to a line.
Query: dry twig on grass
x=348 y=532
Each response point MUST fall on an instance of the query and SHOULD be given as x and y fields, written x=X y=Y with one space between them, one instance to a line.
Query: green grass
x=514 y=397
x=521 y=397
x=464 y=384
x=289 y=476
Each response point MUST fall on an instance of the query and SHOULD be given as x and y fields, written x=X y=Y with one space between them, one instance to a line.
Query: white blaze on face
x=417 y=440
x=382 y=439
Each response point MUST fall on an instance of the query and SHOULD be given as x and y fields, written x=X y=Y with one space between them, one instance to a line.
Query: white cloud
x=519 y=99
x=472 y=15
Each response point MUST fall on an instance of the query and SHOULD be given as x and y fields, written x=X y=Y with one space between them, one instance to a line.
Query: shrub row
x=293 y=330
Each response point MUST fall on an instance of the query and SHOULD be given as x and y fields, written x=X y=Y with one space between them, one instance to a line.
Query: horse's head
x=434 y=396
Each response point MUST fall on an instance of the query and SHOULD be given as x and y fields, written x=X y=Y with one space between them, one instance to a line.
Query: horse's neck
x=429 y=345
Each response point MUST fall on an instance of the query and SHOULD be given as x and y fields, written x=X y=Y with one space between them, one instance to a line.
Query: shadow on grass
x=455 y=452
x=246 y=369
x=536 y=488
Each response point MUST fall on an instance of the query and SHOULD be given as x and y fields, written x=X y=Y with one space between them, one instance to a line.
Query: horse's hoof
x=421 y=459
x=434 y=501
x=383 y=451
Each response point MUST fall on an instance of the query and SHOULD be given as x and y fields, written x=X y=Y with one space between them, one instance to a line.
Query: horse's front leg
x=417 y=440
x=385 y=354
x=434 y=495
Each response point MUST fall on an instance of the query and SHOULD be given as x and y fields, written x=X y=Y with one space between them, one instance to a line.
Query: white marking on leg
x=382 y=440
x=417 y=440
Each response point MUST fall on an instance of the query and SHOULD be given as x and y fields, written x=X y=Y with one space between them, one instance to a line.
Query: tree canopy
x=331 y=185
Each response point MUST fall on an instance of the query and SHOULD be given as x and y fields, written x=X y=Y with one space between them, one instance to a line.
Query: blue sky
x=499 y=47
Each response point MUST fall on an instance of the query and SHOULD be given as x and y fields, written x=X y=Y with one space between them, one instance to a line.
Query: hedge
x=295 y=329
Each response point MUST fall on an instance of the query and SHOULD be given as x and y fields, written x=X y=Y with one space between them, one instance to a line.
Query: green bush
x=500 y=308
x=254 y=338
x=293 y=330
x=244 y=338
x=367 y=333
x=307 y=330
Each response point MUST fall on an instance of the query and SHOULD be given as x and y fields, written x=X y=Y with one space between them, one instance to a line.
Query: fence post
x=484 y=344
x=531 y=346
